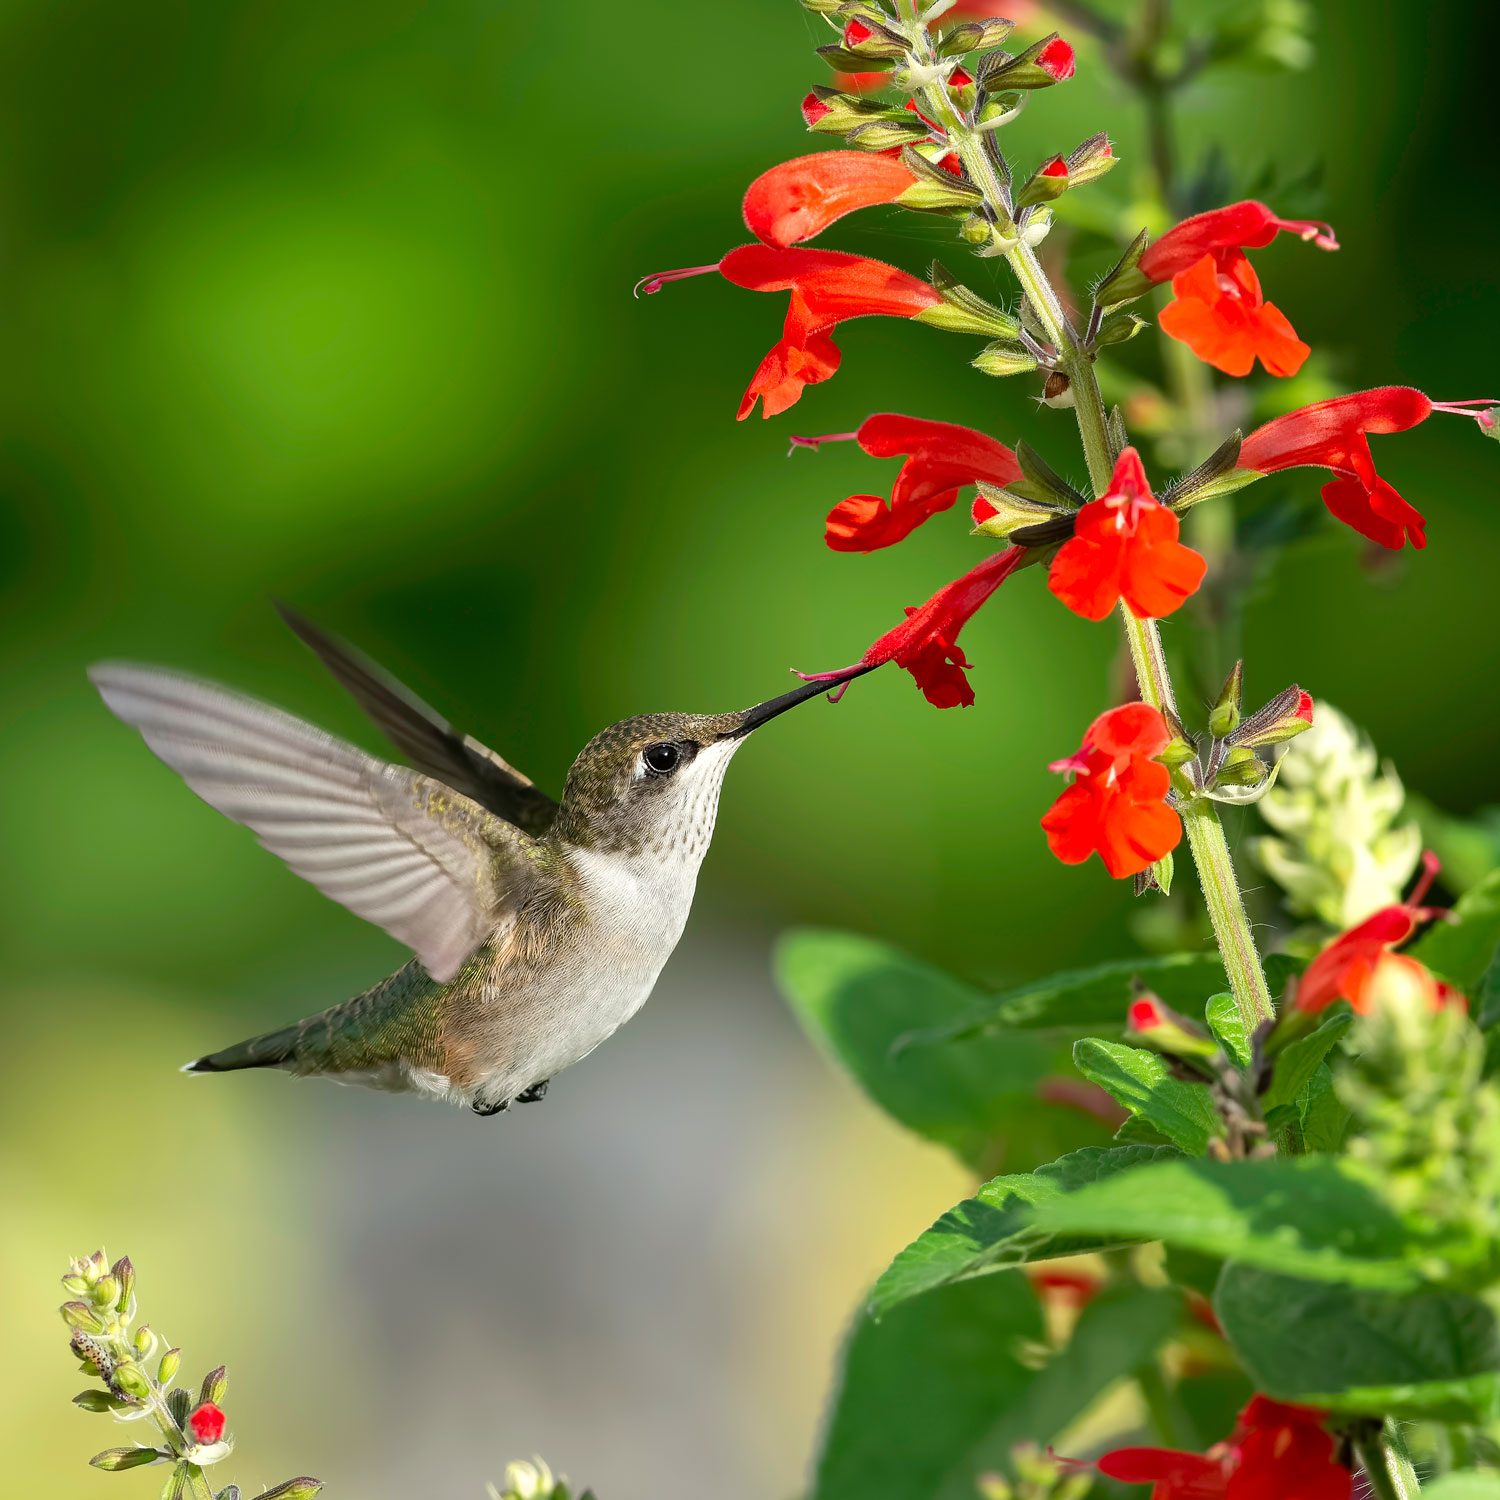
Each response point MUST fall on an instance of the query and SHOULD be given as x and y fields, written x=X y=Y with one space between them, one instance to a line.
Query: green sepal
x=114 y=1460
x=1089 y=161
x=301 y=1488
x=1042 y=186
x=883 y=46
x=215 y=1386
x=1114 y=430
x=1004 y=359
x=1042 y=482
x=965 y=311
x=1125 y=281
x=847 y=111
x=886 y=135
x=999 y=71
x=973 y=36
x=180 y=1405
x=935 y=189
x=1225 y=714
x=1012 y=511
x=841 y=60
x=1119 y=328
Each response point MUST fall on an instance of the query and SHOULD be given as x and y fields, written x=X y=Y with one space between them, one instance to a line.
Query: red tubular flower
x=828 y=287
x=1058 y=58
x=1347 y=968
x=206 y=1423
x=1219 y=312
x=802 y=197
x=1276 y=1452
x=926 y=642
x=1125 y=546
x=1116 y=805
x=941 y=458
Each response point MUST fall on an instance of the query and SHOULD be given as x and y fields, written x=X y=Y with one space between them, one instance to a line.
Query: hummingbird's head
x=651 y=784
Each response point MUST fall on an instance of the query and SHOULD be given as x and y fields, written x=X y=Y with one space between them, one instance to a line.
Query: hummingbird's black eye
x=662 y=759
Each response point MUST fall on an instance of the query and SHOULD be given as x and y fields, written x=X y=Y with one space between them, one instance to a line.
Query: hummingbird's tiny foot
x=535 y=1094
x=484 y=1111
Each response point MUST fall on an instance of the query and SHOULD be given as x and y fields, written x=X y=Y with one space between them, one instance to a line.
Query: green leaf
x=1325 y=1117
x=1299 y=1060
x=992 y=1230
x=1140 y=1080
x=1433 y=1355
x=1309 y=1216
x=922 y=1386
x=1082 y=1000
x=859 y=999
x=1476 y=1484
x=1117 y=1333
x=1228 y=1026
x=1462 y=950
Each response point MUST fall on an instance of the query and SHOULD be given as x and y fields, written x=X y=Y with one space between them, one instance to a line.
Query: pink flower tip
x=206 y=1423
x=1058 y=59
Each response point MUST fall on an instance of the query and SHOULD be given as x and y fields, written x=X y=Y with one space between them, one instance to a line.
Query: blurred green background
x=333 y=303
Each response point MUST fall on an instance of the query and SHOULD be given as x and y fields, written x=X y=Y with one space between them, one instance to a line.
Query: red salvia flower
x=941 y=458
x=1348 y=967
x=206 y=1423
x=1219 y=312
x=1125 y=546
x=828 y=287
x=1058 y=58
x=1116 y=806
x=926 y=642
x=802 y=197
x=1276 y=1452
x=1335 y=435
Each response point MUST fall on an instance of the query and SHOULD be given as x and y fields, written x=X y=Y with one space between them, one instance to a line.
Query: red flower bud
x=206 y=1423
x=1058 y=59
x=1057 y=167
x=1125 y=546
x=813 y=110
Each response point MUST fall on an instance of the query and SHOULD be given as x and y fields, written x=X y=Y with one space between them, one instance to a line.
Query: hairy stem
x=1387 y=1468
x=1210 y=849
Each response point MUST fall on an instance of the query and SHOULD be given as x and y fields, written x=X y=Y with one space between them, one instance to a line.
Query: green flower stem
x=1386 y=1466
x=1210 y=849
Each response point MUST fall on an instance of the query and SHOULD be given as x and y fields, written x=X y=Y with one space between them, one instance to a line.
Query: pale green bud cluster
x=1038 y=1476
x=1422 y=1117
x=1339 y=853
x=137 y=1384
x=533 y=1481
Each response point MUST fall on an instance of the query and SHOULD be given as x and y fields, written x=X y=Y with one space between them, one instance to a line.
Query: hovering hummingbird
x=538 y=927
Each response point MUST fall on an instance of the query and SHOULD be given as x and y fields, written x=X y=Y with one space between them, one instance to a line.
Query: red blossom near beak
x=1346 y=969
x=941 y=458
x=206 y=1423
x=1125 y=546
x=802 y=197
x=828 y=287
x=926 y=642
x=1219 y=312
x=1276 y=1451
x=1116 y=806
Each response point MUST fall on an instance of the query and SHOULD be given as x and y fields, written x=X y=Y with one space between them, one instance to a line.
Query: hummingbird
x=538 y=927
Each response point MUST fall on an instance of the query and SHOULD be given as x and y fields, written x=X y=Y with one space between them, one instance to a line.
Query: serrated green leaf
x=1228 y=1026
x=1299 y=1060
x=1462 y=949
x=1309 y=1216
x=991 y=1230
x=1325 y=1117
x=859 y=1000
x=920 y=1387
x=1140 y=1081
x=1431 y=1355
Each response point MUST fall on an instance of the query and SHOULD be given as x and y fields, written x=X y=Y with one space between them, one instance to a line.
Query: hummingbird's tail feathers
x=427 y=739
x=426 y=864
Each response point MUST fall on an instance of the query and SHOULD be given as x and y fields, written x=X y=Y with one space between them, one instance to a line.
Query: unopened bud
x=1004 y=359
x=1091 y=160
x=294 y=1489
x=1287 y=714
x=999 y=109
x=888 y=134
x=999 y=512
x=974 y=36
x=1044 y=63
x=1154 y=1021
x=130 y=1380
x=81 y=1316
x=112 y=1460
x=965 y=311
x=867 y=38
x=1118 y=328
x=976 y=230
x=1225 y=714
x=105 y=1293
x=1241 y=768
x=1125 y=281
x=171 y=1363
x=124 y=1272
x=215 y=1387
x=145 y=1341
x=1049 y=181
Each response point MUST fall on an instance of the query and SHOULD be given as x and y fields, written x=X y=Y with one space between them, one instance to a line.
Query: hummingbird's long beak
x=762 y=713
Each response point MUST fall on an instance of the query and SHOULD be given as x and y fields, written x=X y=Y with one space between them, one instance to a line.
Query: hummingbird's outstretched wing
x=400 y=849
x=427 y=739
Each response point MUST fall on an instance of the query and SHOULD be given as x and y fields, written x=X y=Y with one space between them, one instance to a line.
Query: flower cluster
x=137 y=1384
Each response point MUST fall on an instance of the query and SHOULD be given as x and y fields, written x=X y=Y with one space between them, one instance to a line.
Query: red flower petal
x=1247 y=225
x=206 y=1423
x=802 y=197
x=1058 y=59
x=1220 y=315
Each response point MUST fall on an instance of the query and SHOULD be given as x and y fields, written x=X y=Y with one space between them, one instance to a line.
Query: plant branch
x=1387 y=1468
